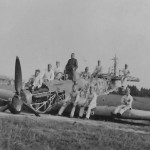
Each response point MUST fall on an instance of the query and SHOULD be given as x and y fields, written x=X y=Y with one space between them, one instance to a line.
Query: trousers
x=82 y=109
x=64 y=106
x=121 y=109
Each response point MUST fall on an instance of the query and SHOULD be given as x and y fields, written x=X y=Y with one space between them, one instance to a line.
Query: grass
x=28 y=133
x=140 y=103
x=21 y=133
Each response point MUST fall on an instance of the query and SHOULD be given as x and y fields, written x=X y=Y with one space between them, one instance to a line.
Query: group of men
x=86 y=97
x=36 y=81
x=59 y=74
x=72 y=65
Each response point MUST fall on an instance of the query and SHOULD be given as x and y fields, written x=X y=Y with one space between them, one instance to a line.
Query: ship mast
x=115 y=65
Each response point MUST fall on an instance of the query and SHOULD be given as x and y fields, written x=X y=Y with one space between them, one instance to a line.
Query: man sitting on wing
x=58 y=71
x=91 y=102
x=86 y=75
x=72 y=98
x=126 y=103
x=126 y=73
x=82 y=100
x=49 y=74
x=98 y=69
x=35 y=83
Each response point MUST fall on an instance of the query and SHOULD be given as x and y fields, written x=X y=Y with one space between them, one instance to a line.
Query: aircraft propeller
x=18 y=76
x=15 y=106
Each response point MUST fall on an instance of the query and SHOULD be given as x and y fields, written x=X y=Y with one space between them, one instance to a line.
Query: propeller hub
x=16 y=105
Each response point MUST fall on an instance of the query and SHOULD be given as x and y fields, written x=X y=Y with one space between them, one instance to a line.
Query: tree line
x=143 y=92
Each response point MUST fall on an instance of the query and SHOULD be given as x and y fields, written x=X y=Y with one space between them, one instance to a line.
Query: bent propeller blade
x=18 y=76
x=3 y=108
x=31 y=110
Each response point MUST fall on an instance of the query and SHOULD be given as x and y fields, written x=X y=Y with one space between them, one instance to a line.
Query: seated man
x=35 y=83
x=86 y=75
x=82 y=101
x=126 y=103
x=49 y=74
x=71 y=98
x=98 y=69
x=58 y=71
x=126 y=73
x=91 y=100
x=71 y=66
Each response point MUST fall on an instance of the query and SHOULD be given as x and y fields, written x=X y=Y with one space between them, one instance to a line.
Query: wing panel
x=6 y=94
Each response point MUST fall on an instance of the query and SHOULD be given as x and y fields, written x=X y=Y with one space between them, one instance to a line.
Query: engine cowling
x=26 y=96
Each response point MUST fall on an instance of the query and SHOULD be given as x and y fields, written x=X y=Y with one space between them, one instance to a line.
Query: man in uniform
x=98 y=69
x=58 y=71
x=86 y=75
x=126 y=73
x=126 y=103
x=91 y=102
x=71 y=66
x=72 y=98
x=49 y=74
x=35 y=83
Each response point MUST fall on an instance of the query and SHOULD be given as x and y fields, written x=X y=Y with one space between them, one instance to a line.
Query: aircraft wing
x=130 y=78
x=5 y=95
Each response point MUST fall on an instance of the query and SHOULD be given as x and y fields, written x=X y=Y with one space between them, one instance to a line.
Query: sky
x=45 y=31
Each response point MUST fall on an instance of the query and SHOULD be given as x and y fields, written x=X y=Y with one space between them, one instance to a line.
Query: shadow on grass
x=66 y=113
x=123 y=121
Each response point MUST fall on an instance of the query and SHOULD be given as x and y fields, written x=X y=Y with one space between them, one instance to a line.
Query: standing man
x=98 y=69
x=71 y=66
x=126 y=73
x=126 y=103
x=49 y=74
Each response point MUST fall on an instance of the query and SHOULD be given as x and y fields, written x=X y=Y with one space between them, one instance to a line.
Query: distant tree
x=143 y=92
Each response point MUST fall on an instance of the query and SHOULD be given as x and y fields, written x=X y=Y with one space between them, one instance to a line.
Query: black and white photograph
x=74 y=75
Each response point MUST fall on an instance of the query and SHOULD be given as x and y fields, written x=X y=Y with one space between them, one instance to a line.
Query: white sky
x=43 y=31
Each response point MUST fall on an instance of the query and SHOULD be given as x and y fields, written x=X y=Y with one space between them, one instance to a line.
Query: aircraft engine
x=26 y=96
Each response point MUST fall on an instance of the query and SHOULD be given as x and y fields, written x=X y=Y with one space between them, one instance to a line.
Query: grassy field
x=140 y=103
x=23 y=132
x=27 y=132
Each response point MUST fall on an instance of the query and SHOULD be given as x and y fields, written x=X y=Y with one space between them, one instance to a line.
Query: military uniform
x=85 y=75
x=72 y=98
x=126 y=102
x=71 y=66
x=91 y=102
